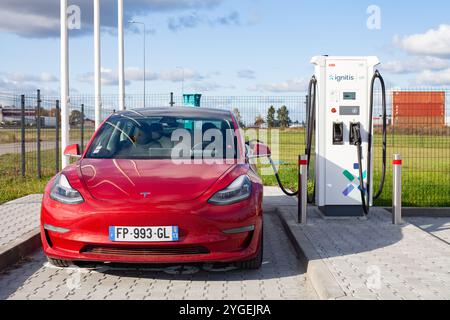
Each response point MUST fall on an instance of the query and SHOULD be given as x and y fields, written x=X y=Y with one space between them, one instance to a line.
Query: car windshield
x=166 y=137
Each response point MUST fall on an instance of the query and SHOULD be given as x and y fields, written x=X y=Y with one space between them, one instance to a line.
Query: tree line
x=275 y=118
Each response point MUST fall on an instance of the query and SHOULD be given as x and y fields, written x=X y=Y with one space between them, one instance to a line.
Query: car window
x=164 y=138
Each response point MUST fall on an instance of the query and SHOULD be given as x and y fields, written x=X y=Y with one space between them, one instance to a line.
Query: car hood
x=152 y=180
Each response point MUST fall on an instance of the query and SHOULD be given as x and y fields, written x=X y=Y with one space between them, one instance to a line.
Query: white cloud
x=178 y=74
x=184 y=22
x=11 y=86
x=246 y=74
x=40 y=18
x=254 y=17
x=110 y=77
x=47 y=77
x=291 y=85
x=21 y=78
x=434 y=42
x=24 y=83
x=209 y=86
x=415 y=64
x=27 y=24
x=193 y=20
x=431 y=78
x=137 y=74
x=233 y=18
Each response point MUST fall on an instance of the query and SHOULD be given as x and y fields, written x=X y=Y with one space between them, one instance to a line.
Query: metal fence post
x=303 y=190
x=82 y=128
x=22 y=127
x=38 y=135
x=397 y=190
x=172 y=103
x=57 y=115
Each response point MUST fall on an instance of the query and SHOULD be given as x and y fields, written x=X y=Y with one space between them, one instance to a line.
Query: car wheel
x=59 y=263
x=256 y=262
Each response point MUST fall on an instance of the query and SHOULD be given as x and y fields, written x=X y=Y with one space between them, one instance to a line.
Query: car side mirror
x=259 y=150
x=73 y=151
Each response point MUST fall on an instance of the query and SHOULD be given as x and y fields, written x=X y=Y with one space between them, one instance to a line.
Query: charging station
x=340 y=124
x=343 y=127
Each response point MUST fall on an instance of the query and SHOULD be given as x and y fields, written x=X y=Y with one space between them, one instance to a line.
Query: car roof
x=177 y=112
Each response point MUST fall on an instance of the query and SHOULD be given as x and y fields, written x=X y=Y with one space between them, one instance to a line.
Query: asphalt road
x=6 y=148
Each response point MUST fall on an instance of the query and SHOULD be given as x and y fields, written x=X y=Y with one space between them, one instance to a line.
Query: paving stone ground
x=370 y=259
x=373 y=259
x=18 y=218
x=281 y=277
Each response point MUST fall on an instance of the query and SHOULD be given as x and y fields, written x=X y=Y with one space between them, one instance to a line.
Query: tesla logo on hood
x=145 y=194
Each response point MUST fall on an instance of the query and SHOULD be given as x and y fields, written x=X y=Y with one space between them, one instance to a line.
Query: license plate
x=143 y=234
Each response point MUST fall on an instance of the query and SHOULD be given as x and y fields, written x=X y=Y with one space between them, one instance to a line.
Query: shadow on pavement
x=15 y=276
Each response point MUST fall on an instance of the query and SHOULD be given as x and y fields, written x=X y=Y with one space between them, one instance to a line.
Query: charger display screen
x=349 y=95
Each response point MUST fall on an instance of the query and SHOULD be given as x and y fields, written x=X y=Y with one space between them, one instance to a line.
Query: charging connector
x=338 y=133
x=355 y=134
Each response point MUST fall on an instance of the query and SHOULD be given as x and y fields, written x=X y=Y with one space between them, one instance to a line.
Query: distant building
x=48 y=122
x=8 y=114
x=254 y=126
x=297 y=126
x=88 y=123
x=14 y=116
x=378 y=121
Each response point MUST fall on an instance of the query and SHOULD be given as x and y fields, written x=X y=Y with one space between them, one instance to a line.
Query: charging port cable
x=311 y=109
x=277 y=176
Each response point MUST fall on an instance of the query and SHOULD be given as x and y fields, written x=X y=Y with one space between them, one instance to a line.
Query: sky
x=225 y=47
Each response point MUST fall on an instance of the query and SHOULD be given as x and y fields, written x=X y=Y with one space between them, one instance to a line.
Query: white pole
x=121 y=57
x=97 y=65
x=144 y=57
x=145 y=68
x=64 y=83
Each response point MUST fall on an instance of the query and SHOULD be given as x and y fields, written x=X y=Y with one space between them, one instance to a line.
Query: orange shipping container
x=425 y=97
x=419 y=110
x=427 y=107
x=419 y=122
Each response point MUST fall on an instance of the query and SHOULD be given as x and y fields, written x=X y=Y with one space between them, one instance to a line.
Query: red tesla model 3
x=166 y=185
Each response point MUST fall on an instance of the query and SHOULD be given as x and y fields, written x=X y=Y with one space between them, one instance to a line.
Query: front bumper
x=202 y=236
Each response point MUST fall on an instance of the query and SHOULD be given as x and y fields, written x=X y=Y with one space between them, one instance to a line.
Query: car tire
x=256 y=262
x=59 y=263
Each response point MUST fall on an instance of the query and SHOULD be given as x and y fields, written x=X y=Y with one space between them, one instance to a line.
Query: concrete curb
x=409 y=212
x=318 y=273
x=20 y=248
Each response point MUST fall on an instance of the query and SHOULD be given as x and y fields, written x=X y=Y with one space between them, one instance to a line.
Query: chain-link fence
x=418 y=129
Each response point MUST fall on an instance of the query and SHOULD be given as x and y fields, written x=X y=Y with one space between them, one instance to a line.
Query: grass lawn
x=426 y=169
x=13 y=186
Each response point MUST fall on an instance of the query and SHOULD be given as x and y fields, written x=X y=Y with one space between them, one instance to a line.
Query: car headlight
x=239 y=190
x=63 y=192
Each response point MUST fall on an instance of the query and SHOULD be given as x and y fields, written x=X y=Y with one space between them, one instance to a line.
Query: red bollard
x=302 y=189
